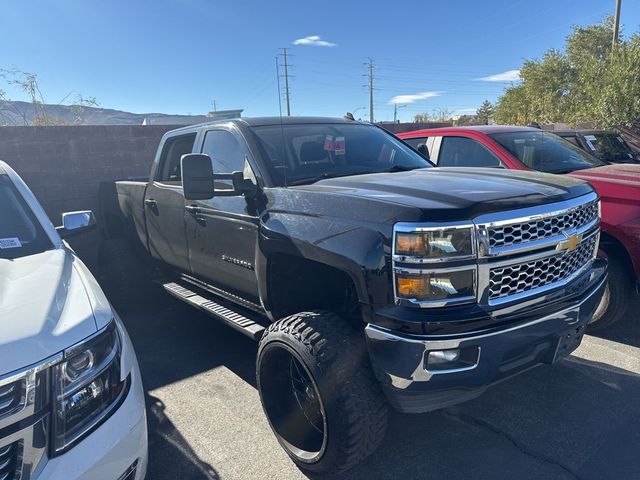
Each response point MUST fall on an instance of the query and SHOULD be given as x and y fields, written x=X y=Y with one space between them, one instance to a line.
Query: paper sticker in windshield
x=339 y=146
x=591 y=139
x=10 y=243
x=328 y=143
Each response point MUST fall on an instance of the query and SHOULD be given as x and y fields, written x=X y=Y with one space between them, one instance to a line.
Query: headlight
x=450 y=286
x=436 y=244
x=87 y=387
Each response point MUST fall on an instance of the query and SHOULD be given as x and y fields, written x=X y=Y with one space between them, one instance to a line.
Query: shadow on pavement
x=627 y=330
x=579 y=419
x=169 y=453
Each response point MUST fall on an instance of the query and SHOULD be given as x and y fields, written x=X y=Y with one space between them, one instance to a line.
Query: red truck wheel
x=617 y=296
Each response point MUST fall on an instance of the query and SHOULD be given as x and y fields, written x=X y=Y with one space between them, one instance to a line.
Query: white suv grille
x=10 y=461
x=11 y=397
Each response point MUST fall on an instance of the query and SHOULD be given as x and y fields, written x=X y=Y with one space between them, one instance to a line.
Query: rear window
x=20 y=232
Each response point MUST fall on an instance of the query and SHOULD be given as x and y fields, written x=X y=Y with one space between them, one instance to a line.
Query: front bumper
x=399 y=361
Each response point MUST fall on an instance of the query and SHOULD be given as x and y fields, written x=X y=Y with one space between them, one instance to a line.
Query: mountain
x=21 y=113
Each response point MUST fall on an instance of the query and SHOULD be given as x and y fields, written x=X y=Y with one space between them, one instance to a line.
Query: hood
x=618 y=183
x=44 y=307
x=447 y=194
x=624 y=174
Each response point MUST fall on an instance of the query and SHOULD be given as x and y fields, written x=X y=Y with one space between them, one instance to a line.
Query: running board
x=246 y=323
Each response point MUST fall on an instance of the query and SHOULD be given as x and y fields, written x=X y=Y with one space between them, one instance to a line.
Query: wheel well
x=612 y=246
x=297 y=284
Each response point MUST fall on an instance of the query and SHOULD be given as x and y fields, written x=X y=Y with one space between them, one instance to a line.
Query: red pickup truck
x=525 y=148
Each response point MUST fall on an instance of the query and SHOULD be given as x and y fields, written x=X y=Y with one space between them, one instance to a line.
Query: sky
x=179 y=57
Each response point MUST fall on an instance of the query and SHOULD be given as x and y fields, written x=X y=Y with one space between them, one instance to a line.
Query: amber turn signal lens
x=413 y=244
x=436 y=286
x=412 y=287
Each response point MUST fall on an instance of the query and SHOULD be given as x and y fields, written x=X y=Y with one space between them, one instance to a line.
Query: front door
x=222 y=232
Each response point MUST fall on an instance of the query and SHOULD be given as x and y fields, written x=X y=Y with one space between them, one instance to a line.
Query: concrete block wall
x=64 y=165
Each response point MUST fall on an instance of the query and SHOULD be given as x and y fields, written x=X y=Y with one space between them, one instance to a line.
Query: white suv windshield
x=20 y=232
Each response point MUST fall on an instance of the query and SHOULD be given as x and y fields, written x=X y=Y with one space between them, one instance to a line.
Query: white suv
x=71 y=398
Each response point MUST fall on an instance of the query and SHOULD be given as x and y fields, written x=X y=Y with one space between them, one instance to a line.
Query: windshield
x=20 y=232
x=546 y=152
x=610 y=147
x=306 y=153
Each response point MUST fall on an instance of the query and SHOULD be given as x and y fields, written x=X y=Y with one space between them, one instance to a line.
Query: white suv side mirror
x=74 y=223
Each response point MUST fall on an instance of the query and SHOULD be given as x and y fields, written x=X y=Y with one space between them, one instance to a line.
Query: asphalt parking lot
x=579 y=419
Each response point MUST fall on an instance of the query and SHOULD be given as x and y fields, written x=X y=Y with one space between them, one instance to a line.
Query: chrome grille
x=11 y=397
x=522 y=277
x=10 y=461
x=515 y=233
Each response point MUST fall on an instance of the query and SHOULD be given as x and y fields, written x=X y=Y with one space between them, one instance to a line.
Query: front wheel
x=318 y=391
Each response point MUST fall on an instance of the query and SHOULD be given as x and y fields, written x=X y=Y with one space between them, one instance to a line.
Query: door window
x=465 y=152
x=226 y=152
x=172 y=151
x=227 y=155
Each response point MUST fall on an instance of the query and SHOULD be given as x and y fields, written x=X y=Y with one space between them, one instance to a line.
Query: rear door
x=164 y=204
x=223 y=231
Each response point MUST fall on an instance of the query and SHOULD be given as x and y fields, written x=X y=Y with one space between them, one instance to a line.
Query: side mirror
x=197 y=176
x=198 y=179
x=75 y=223
x=422 y=149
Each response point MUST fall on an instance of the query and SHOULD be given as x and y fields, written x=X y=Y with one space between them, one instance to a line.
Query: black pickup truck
x=368 y=277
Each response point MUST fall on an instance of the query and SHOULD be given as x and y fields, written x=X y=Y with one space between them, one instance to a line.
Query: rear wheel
x=318 y=392
x=617 y=295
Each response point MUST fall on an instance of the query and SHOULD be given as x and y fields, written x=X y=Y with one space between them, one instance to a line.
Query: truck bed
x=122 y=210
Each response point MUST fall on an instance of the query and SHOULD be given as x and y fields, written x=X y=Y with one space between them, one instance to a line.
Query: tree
x=587 y=82
x=484 y=113
x=38 y=111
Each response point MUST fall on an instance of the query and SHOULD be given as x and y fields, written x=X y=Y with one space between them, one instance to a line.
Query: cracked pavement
x=579 y=419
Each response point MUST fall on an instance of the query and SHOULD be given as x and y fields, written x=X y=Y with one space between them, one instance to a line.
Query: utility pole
x=395 y=112
x=370 y=75
x=215 y=107
x=285 y=56
x=616 y=24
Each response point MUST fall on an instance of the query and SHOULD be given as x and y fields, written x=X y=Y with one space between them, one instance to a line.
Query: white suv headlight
x=87 y=387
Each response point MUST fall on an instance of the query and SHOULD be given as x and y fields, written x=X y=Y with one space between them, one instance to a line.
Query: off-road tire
x=617 y=295
x=335 y=355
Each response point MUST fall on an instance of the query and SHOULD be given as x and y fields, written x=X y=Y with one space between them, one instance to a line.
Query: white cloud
x=414 y=97
x=508 y=76
x=314 y=41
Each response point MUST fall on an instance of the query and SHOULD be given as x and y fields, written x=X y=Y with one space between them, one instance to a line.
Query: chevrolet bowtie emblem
x=571 y=243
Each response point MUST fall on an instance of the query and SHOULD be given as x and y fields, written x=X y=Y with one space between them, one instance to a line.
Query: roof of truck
x=264 y=121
